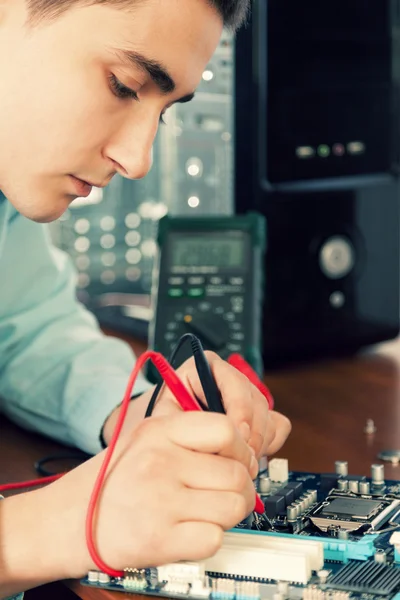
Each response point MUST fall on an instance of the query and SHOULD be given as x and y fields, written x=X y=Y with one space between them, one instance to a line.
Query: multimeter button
x=235 y=326
x=234 y=347
x=219 y=310
x=237 y=336
x=236 y=281
x=175 y=292
x=205 y=306
x=176 y=281
x=237 y=304
x=196 y=280
x=169 y=336
x=237 y=309
x=229 y=316
x=216 y=280
x=172 y=326
x=195 y=292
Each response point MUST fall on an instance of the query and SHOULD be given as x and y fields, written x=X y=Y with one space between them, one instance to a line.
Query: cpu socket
x=351 y=513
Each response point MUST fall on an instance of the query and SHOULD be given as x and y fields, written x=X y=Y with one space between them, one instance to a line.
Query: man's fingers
x=236 y=392
x=262 y=427
x=282 y=429
x=210 y=433
x=212 y=472
x=225 y=509
x=234 y=387
x=207 y=536
x=165 y=409
x=244 y=404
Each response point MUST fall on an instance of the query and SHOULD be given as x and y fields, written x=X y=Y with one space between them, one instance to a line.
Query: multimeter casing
x=221 y=305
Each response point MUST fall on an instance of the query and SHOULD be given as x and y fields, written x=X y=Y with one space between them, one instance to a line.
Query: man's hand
x=265 y=431
x=170 y=492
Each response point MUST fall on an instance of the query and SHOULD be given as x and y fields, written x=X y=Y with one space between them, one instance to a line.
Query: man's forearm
x=31 y=544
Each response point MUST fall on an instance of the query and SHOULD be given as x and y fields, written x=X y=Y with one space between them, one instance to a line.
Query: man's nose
x=132 y=152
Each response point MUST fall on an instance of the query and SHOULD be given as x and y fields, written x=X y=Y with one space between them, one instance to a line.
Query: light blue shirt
x=59 y=375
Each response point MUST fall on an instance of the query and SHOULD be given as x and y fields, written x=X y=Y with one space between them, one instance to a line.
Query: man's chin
x=41 y=211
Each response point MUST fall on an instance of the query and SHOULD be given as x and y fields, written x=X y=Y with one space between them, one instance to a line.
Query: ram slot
x=313 y=549
x=260 y=563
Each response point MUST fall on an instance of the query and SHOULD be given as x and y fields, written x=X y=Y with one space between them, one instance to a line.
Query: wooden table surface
x=328 y=402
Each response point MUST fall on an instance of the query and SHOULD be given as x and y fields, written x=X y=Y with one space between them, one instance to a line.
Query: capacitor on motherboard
x=364 y=487
x=303 y=504
x=299 y=507
x=305 y=499
x=104 y=578
x=313 y=496
x=343 y=485
x=291 y=512
x=264 y=484
x=353 y=486
x=377 y=474
x=341 y=468
x=343 y=534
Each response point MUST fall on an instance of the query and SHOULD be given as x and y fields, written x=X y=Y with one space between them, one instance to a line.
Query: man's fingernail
x=244 y=430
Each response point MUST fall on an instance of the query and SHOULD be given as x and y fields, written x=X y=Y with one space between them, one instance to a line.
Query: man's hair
x=233 y=12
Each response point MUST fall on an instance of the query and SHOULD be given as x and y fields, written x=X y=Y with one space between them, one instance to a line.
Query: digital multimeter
x=208 y=280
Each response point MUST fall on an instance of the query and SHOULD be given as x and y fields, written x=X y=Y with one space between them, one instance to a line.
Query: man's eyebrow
x=157 y=71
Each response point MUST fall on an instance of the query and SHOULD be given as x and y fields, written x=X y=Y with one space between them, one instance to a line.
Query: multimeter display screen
x=208 y=251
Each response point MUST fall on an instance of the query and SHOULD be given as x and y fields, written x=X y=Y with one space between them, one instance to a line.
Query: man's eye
x=120 y=90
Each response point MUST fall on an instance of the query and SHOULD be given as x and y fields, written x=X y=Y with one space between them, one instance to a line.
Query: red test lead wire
x=32 y=483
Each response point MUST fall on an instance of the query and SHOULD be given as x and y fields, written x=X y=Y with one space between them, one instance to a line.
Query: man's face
x=60 y=117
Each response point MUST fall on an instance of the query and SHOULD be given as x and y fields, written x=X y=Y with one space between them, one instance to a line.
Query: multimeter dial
x=219 y=327
x=208 y=283
x=205 y=291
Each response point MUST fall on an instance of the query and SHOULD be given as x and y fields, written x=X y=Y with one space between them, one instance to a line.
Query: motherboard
x=325 y=536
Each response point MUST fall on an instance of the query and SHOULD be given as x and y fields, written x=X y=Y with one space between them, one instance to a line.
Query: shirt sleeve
x=59 y=375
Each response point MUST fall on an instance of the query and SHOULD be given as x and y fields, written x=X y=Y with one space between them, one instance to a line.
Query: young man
x=83 y=85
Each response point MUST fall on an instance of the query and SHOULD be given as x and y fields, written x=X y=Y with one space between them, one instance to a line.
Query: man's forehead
x=171 y=42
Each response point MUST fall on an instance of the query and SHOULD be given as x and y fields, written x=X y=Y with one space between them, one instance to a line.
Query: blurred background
x=297 y=119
